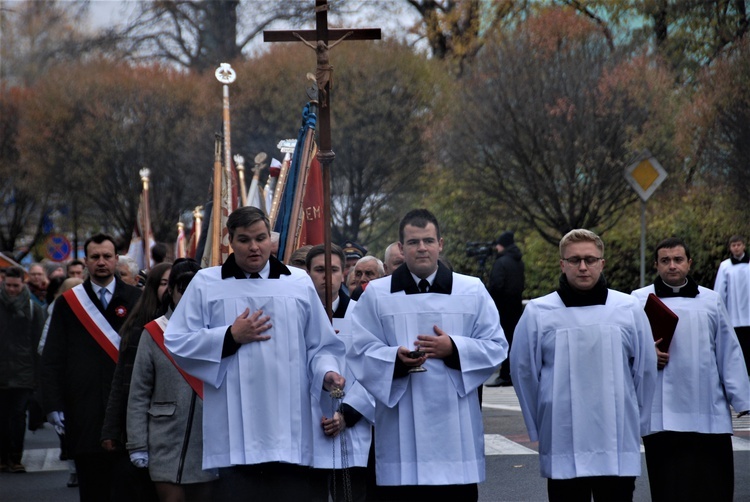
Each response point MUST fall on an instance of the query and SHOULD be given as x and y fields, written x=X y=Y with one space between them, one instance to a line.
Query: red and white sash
x=93 y=320
x=156 y=329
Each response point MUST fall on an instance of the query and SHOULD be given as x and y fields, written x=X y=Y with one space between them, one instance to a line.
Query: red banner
x=313 y=229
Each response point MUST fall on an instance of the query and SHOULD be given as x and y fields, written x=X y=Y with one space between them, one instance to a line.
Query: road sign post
x=644 y=175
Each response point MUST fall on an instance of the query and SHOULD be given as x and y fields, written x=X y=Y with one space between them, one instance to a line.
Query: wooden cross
x=318 y=39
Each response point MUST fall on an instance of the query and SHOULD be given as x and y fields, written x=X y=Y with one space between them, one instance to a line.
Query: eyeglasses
x=590 y=261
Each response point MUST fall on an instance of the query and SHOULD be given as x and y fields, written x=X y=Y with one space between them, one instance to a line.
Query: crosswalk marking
x=43 y=459
x=495 y=444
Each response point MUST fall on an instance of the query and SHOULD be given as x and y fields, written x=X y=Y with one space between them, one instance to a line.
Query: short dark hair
x=75 y=262
x=15 y=272
x=183 y=271
x=736 y=238
x=669 y=243
x=417 y=218
x=298 y=255
x=246 y=216
x=159 y=252
x=98 y=239
x=321 y=249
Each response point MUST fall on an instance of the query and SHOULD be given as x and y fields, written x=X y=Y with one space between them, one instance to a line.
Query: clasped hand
x=662 y=358
x=250 y=328
x=438 y=346
x=333 y=426
x=332 y=380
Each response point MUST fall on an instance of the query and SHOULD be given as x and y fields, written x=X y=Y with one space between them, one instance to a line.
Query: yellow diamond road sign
x=645 y=175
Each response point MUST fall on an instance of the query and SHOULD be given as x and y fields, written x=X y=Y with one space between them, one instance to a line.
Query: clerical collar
x=274 y=268
x=430 y=278
x=403 y=280
x=264 y=271
x=745 y=258
x=687 y=290
x=572 y=297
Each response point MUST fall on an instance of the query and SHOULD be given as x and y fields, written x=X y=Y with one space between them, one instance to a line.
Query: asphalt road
x=512 y=461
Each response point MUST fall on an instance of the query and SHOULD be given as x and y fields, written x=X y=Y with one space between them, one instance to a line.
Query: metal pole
x=643 y=243
x=145 y=173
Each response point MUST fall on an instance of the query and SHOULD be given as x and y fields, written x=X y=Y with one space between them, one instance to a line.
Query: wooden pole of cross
x=322 y=39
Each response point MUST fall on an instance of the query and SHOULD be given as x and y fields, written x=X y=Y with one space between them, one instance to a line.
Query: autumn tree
x=36 y=35
x=455 y=30
x=93 y=126
x=715 y=137
x=23 y=192
x=688 y=34
x=550 y=116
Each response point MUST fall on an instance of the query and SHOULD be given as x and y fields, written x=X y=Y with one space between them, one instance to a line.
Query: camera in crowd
x=479 y=249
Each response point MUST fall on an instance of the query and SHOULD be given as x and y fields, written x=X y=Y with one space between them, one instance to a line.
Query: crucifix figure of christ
x=318 y=39
x=324 y=70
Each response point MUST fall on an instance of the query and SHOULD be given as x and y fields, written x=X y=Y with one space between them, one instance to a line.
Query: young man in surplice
x=689 y=446
x=255 y=332
x=429 y=436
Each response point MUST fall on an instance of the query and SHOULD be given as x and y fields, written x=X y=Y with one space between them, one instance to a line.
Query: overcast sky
x=109 y=12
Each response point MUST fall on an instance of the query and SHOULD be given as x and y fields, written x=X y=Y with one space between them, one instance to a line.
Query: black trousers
x=427 y=493
x=273 y=481
x=602 y=488
x=685 y=466
x=12 y=424
x=743 y=335
x=110 y=476
x=95 y=475
x=348 y=485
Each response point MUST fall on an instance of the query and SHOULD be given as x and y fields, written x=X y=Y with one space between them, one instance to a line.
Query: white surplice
x=257 y=402
x=585 y=377
x=706 y=371
x=428 y=426
x=733 y=285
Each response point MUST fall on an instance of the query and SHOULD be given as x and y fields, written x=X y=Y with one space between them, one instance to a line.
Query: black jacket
x=20 y=331
x=507 y=285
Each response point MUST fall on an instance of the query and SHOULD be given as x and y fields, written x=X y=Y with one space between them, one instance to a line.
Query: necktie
x=103 y=297
x=254 y=275
x=424 y=286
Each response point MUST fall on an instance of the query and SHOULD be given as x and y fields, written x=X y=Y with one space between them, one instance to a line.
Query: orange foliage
x=556 y=30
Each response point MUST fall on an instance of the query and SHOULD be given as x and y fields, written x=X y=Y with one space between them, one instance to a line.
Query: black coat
x=76 y=374
x=506 y=287
x=117 y=407
x=20 y=331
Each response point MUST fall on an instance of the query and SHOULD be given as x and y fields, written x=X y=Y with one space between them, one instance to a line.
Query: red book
x=663 y=321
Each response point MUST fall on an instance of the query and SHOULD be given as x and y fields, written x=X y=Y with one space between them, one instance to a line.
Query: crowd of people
x=237 y=382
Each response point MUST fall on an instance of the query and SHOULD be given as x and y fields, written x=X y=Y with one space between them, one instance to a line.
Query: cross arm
x=312 y=36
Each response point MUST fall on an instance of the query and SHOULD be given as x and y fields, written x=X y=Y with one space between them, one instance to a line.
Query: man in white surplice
x=689 y=449
x=584 y=368
x=257 y=335
x=429 y=437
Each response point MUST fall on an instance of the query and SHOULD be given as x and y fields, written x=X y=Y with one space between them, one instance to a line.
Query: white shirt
x=110 y=288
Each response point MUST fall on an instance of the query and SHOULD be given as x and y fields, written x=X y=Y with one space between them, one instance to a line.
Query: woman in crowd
x=165 y=410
